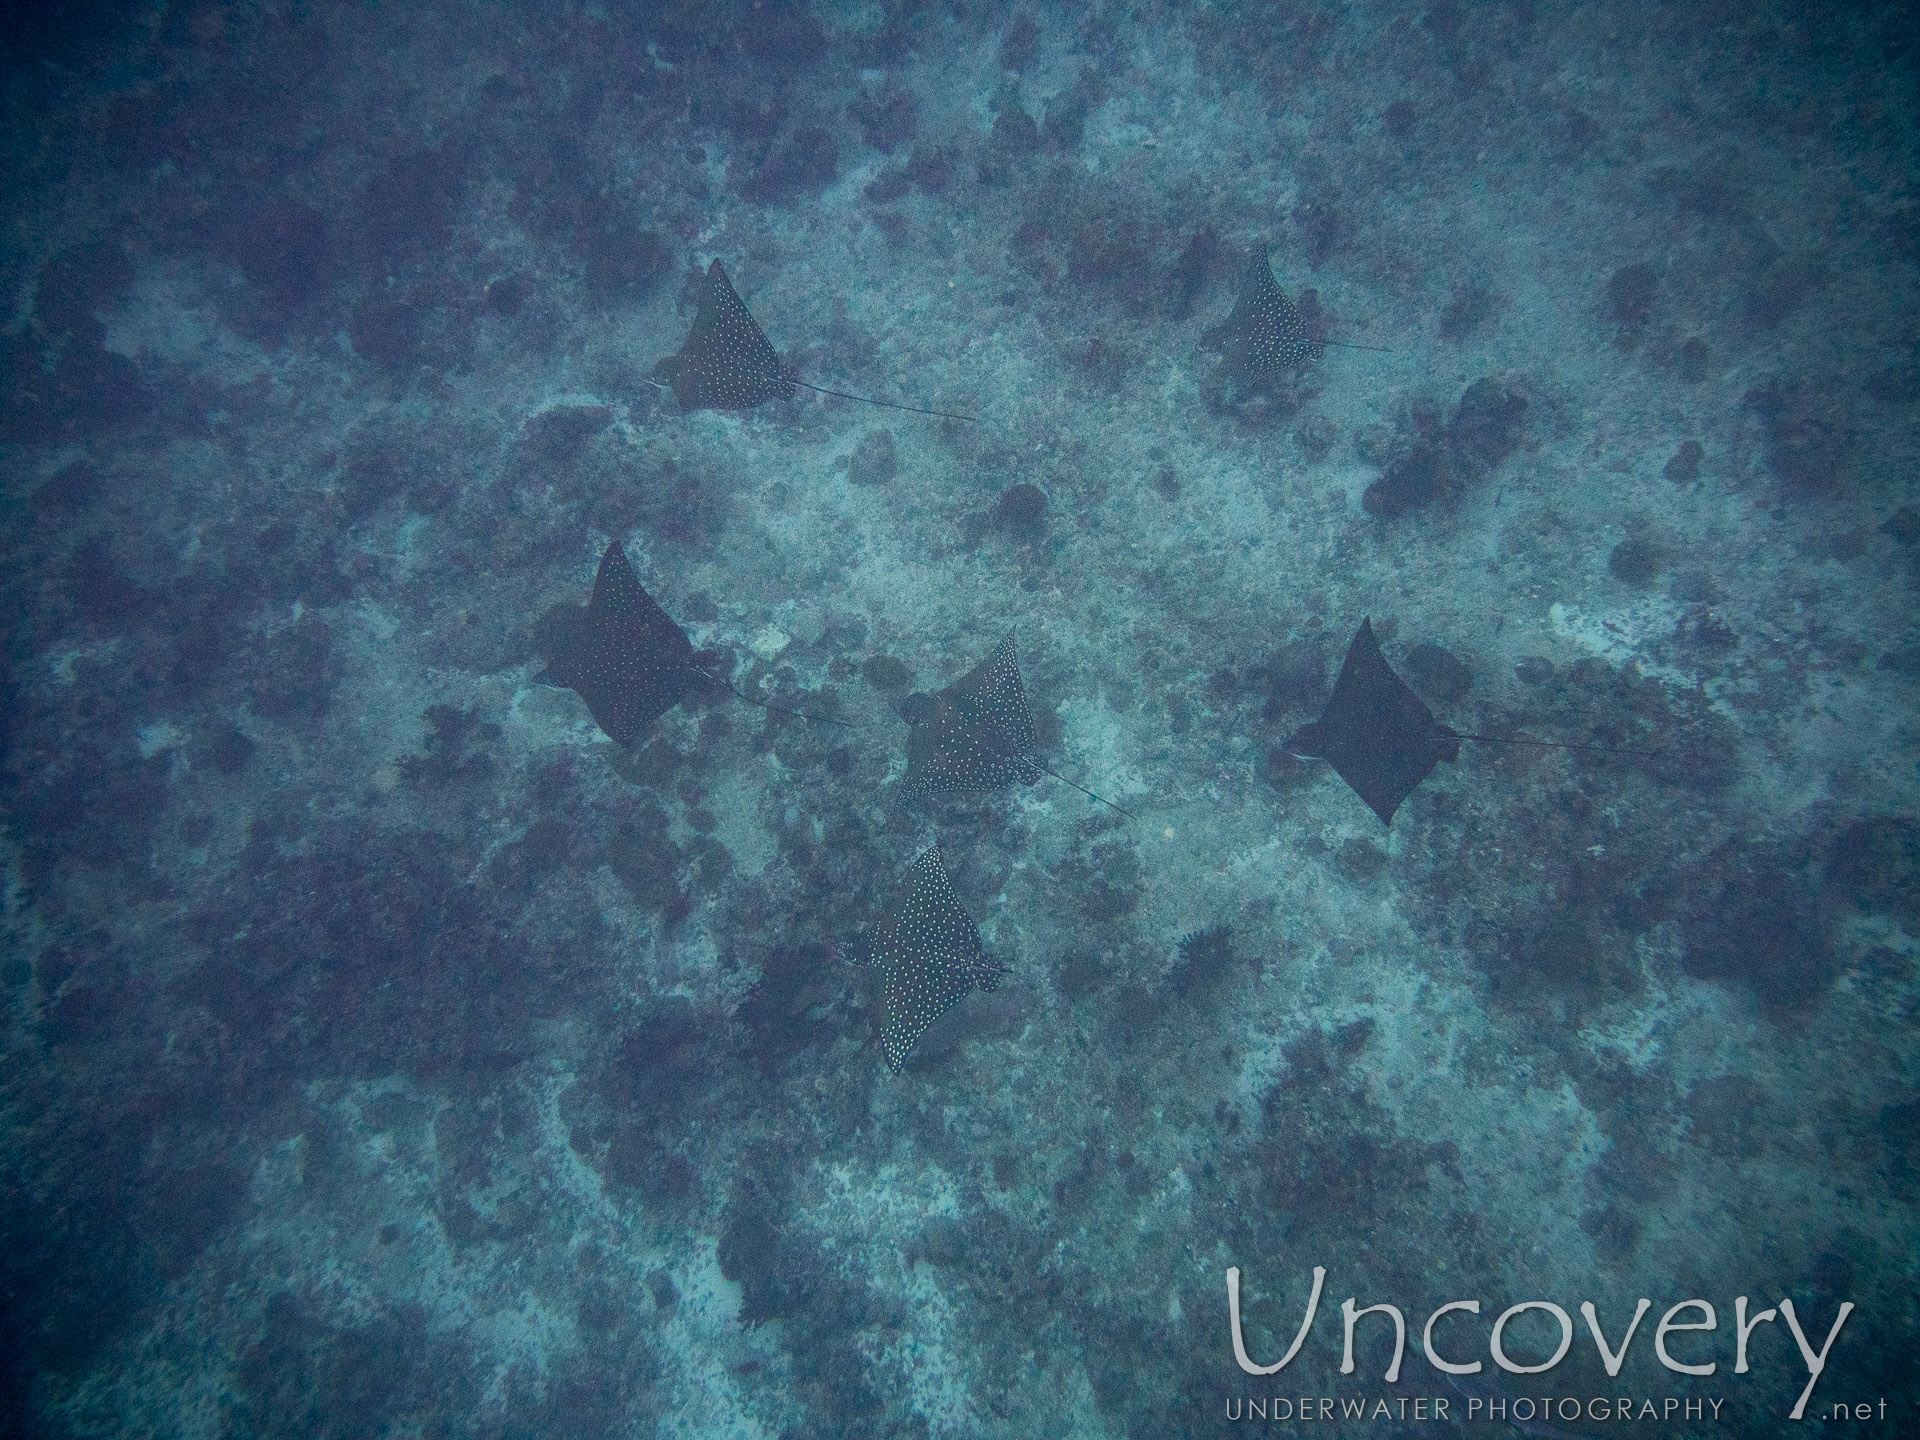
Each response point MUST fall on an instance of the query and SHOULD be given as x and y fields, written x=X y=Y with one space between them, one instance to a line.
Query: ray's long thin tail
x=1554 y=745
x=769 y=705
x=869 y=400
x=1084 y=791
x=1349 y=345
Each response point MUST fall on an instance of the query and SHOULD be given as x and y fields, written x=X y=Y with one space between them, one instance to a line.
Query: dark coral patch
x=1114 y=259
x=506 y=295
x=1416 y=478
x=1204 y=260
x=455 y=752
x=365 y=955
x=70 y=491
x=1015 y=135
x=1563 y=954
x=1690 y=364
x=663 y=1062
x=887 y=119
x=1778 y=291
x=1483 y=430
x=778 y=1011
x=1467 y=308
x=96 y=811
x=1019 y=42
x=1344 y=1171
x=407 y=211
x=1683 y=467
x=804 y=164
x=78 y=282
x=1020 y=508
x=1806 y=443
x=1629 y=303
x=302 y=1374
x=1315 y=436
x=558 y=437
x=1438 y=674
x=389 y=333
x=886 y=673
x=100 y=587
x=80 y=1013
x=288 y=251
x=1293 y=678
x=230 y=749
x=784 y=43
x=1875 y=864
x=620 y=261
x=1636 y=560
x=645 y=860
x=1206 y=959
x=875 y=460
x=750 y=1254
x=1759 y=924
x=1485 y=427
x=74 y=389
x=298 y=672
x=932 y=170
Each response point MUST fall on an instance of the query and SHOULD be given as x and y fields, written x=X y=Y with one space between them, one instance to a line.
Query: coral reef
x=389 y=1050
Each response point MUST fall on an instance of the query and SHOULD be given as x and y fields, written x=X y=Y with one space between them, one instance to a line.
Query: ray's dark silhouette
x=977 y=734
x=929 y=959
x=625 y=656
x=1377 y=734
x=1266 y=336
x=727 y=362
x=1382 y=739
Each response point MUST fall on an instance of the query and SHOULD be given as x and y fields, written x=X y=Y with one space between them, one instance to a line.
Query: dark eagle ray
x=977 y=734
x=727 y=362
x=1267 y=336
x=626 y=657
x=1375 y=732
x=929 y=959
x=1382 y=739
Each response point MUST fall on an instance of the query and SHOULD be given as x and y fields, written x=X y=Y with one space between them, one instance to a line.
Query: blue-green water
x=389 y=1052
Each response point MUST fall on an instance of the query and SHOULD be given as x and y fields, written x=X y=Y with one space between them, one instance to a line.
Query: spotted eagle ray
x=727 y=362
x=1267 y=336
x=626 y=657
x=1382 y=739
x=977 y=734
x=929 y=958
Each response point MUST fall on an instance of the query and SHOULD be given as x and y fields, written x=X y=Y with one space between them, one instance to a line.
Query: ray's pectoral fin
x=977 y=734
x=1267 y=336
x=727 y=362
x=929 y=959
x=1381 y=738
x=1377 y=734
x=622 y=654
